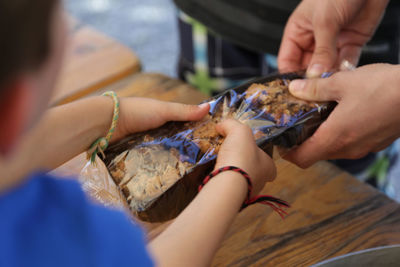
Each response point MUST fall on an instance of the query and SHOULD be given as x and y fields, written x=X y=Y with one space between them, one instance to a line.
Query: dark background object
x=256 y=25
x=259 y=24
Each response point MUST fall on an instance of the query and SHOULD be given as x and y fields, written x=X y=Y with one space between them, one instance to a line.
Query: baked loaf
x=143 y=174
x=159 y=171
x=206 y=137
x=275 y=100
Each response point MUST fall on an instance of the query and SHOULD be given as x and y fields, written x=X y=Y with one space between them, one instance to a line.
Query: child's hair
x=24 y=36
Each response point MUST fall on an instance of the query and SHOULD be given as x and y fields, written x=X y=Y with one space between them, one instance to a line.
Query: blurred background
x=148 y=27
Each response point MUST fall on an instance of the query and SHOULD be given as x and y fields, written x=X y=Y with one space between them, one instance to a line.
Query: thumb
x=228 y=127
x=315 y=90
x=231 y=127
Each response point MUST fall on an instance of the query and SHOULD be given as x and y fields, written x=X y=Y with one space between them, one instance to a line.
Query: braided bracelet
x=275 y=203
x=101 y=144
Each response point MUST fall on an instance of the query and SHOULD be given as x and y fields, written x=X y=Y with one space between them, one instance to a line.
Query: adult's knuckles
x=313 y=89
x=333 y=87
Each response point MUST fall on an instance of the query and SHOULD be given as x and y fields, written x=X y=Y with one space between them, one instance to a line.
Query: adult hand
x=239 y=149
x=321 y=34
x=367 y=117
x=141 y=114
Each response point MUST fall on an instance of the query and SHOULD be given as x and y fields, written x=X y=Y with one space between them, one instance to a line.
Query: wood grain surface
x=157 y=86
x=332 y=213
x=92 y=61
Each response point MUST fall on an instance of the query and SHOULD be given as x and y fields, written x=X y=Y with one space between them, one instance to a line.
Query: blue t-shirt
x=49 y=222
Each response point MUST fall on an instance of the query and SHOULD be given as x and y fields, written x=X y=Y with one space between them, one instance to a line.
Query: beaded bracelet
x=101 y=144
x=275 y=203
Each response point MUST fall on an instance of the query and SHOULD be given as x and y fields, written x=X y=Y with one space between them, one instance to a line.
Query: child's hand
x=141 y=114
x=240 y=150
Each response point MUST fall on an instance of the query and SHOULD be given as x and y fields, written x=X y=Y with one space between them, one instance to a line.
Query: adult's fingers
x=290 y=53
x=290 y=56
x=326 y=31
x=350 y=53
x=327 y=23
x=322 y=89
x=318 y=147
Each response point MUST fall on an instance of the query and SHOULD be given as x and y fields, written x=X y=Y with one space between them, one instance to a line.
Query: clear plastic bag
x=98 y=184
x=159 y=171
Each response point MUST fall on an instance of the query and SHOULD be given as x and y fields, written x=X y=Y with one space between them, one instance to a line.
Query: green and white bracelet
x=101 y=144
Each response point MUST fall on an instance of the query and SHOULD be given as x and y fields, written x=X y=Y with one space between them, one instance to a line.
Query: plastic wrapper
x=97 y=183
x=159 y=171
x=95 y=180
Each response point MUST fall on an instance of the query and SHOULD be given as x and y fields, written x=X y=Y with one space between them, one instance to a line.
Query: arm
x=194 y=237
x=68 y=130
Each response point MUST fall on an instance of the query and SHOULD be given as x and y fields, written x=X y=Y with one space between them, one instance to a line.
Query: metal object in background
x=388 y=256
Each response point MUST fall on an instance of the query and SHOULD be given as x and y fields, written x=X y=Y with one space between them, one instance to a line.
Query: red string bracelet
x=275 y=203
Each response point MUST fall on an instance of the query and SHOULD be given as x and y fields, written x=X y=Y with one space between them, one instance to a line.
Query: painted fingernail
x=315 y=71
x=297 y=86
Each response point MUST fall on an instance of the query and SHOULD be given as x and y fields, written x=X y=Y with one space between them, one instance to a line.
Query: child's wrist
x=103 y=111
x=275 y=203
x=233 y=184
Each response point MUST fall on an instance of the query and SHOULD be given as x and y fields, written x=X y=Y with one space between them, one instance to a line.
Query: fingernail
x=297 y=86
x=315 y=71
x=203 y=105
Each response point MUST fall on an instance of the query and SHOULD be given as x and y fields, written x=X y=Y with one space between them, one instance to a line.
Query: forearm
x=66 y=131
x=195 y=235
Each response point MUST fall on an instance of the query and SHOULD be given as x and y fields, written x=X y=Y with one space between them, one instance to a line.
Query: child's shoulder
x=51 y=217
x=44 y=190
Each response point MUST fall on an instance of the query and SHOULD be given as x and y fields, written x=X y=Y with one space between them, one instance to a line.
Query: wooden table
x=92 y=61
x=332 y=213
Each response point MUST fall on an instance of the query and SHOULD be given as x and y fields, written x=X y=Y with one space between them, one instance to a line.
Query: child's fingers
x=238 y=136
x=183 y=112
x=232 y=127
